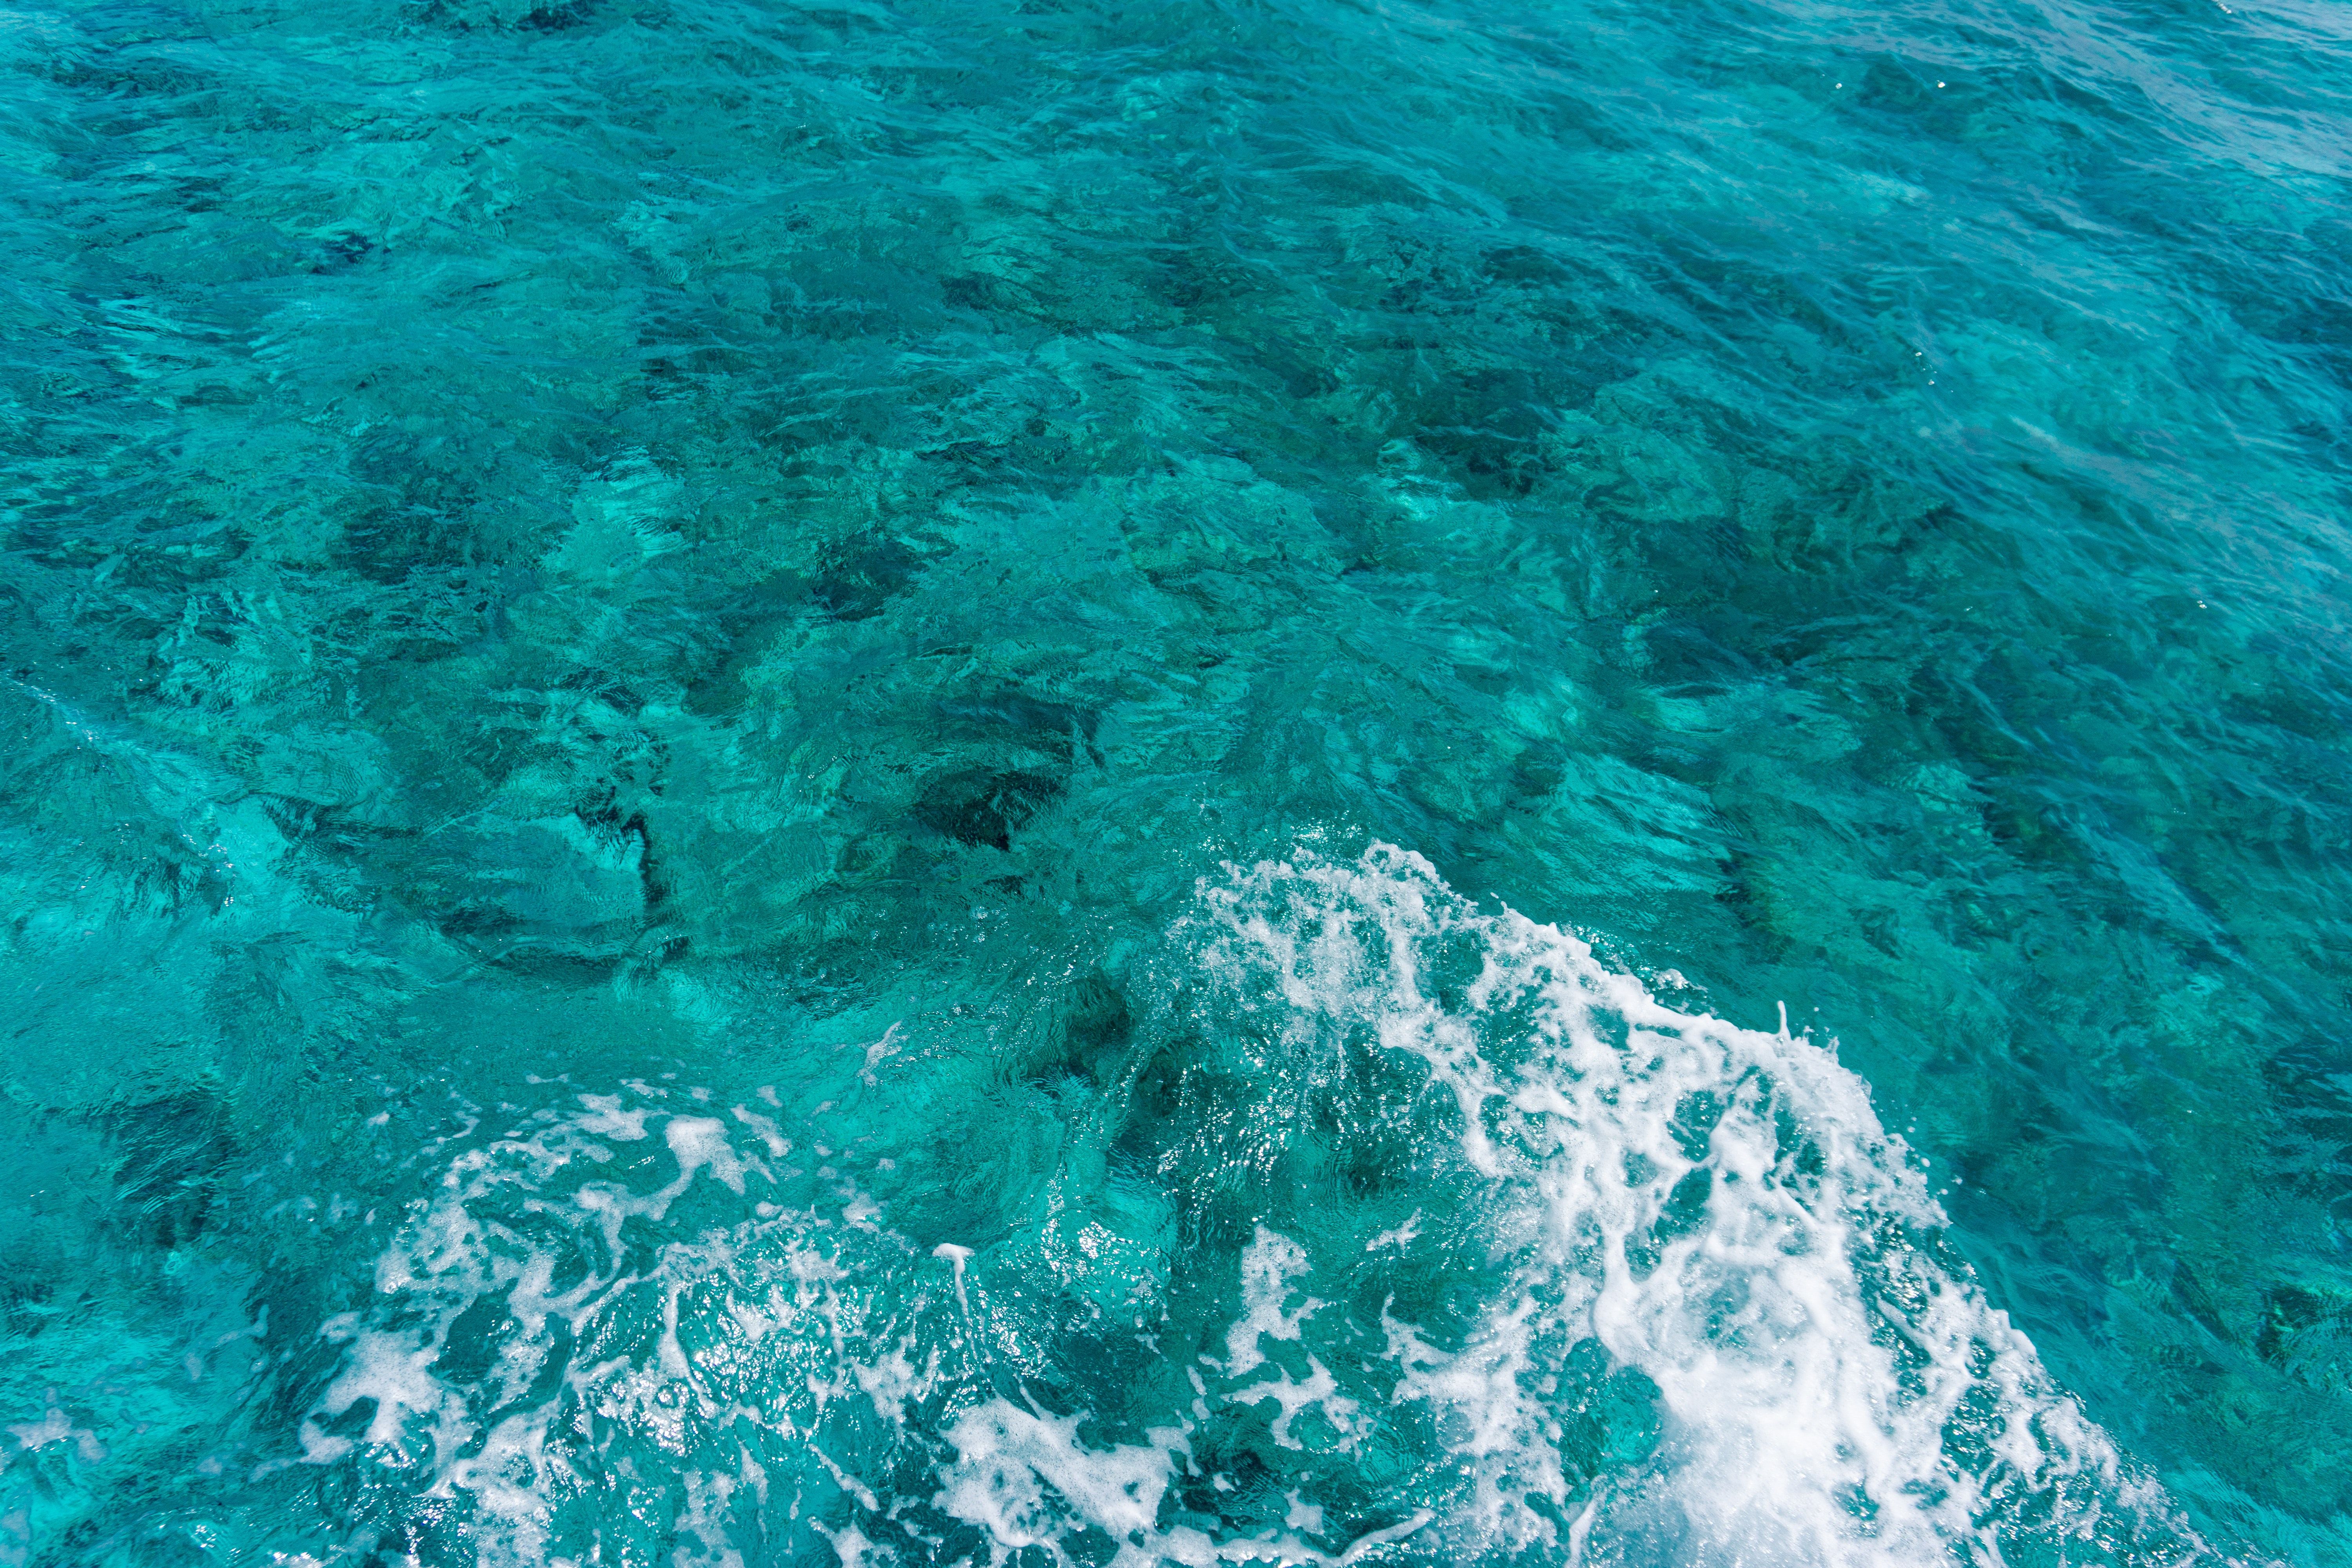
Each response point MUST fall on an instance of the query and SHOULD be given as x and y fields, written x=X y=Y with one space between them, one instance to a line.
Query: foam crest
x=1643 y=1286
x=1716 y=1208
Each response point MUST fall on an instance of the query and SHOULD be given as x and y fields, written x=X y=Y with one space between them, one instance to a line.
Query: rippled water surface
x=1051 y=784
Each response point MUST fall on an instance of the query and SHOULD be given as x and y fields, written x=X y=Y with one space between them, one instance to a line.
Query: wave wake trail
x=1395 y=1231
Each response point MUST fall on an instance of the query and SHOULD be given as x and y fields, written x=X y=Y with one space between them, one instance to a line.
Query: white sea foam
x=1711 y=1321
x=1720 y=1210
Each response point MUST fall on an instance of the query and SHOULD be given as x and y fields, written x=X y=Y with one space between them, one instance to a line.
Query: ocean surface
x=1057 y=783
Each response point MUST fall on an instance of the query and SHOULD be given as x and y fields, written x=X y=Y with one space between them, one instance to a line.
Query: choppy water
x=1040 y=783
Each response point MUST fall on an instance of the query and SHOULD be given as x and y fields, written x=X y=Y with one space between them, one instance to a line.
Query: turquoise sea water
x=1057 y=784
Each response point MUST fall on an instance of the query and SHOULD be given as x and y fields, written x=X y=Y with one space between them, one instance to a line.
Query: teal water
x=1040 y=783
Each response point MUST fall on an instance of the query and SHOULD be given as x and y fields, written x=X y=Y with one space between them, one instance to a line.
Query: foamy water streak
x=1719 y=1209
x=1712 y=1318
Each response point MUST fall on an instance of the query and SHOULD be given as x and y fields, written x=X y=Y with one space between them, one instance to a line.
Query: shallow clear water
x=1041 y=783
